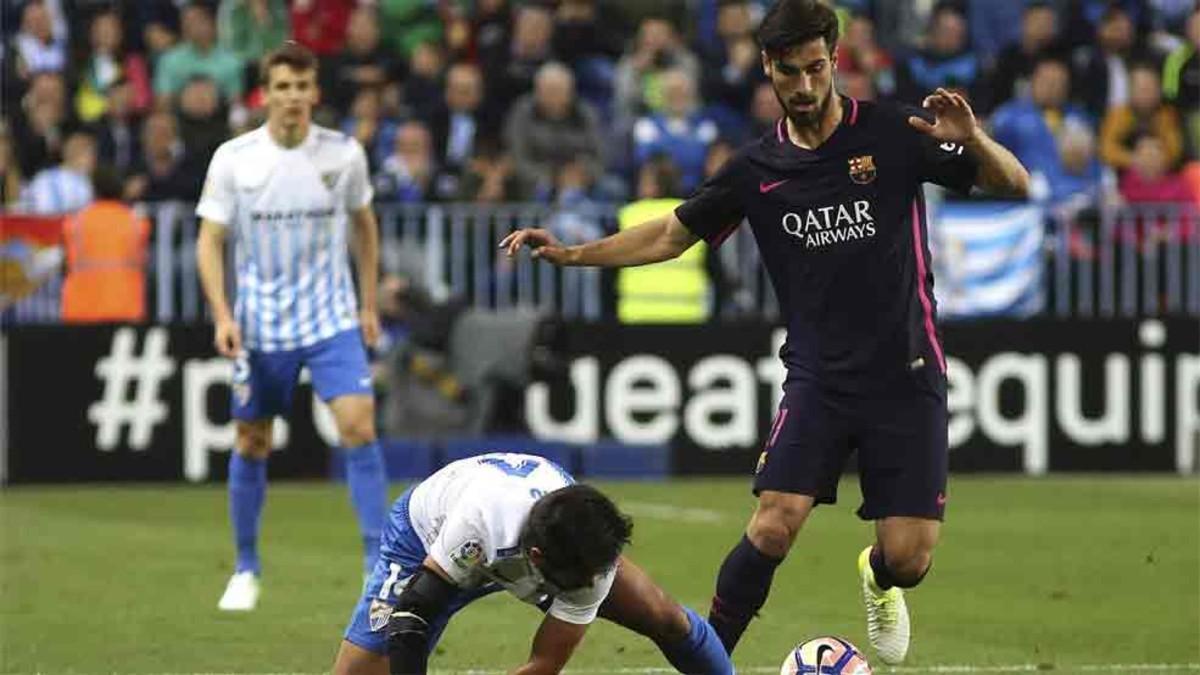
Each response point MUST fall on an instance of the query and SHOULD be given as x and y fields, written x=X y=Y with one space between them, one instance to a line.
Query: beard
x=806 y=118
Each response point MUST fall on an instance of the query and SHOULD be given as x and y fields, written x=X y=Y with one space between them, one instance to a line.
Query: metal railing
x=1125 y=262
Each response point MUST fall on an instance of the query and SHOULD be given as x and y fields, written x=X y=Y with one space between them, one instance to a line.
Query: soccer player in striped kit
x=833 y=196
x=286 y=192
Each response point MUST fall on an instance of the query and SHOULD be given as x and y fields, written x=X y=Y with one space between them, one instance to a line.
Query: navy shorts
x=263 y=382
x=900 y=436
x=400 y=554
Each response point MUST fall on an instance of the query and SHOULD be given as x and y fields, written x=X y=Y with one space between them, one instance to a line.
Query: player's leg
x=903 y=465
x=262 y=385
x=805 y=451
x=342 y=378
x=685 y=638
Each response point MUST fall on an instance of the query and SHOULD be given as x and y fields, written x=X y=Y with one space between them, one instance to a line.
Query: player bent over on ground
x=517 y=523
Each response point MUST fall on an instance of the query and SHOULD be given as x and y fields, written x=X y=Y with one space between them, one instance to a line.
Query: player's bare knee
x=670 y=622
x=771 y=534
x=354 y=433
x=253 y=441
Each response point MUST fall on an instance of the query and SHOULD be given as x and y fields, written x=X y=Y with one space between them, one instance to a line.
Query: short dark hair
x=578 y=530
x=790 y=23
x=290 y=53
x=107 y=183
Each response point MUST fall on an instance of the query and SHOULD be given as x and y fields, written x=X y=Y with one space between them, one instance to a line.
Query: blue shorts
x=263 y=382
x=901 y=440
x=400 y=554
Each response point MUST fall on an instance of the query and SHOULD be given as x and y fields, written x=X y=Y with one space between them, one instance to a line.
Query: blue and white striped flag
x=989 y=259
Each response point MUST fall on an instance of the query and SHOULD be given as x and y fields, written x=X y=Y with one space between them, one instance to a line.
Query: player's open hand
x=369 y=320
x=954 y=120
x=228 y=339
x=543 y=244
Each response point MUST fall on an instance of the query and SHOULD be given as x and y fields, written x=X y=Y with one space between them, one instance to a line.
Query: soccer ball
x=825 y=656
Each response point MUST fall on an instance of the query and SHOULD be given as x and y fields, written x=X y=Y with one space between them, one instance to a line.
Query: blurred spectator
x=408 y=23
x=1084 y=183
x=160 y=30
x=492 y=28
x=202 y=118
x=659 y=178
x=1149 y=178
x=900 y=26
x=946 y=61
x=588 y=36
x=859 y=54
x=320 y=25
x=1009 y=76
x=1102 y=69
x=460 y=123
x=106 y=257
x=1085 y=17
x=370 y=126
x=732 y=67
x=550 y=128
x=1181 y=82
x=198 y=54
x=41 y=123
x=38 y=47
x=1030 y=126
x=423 y=85
x=489 y=177
x=407 y=174
x=656 y=49
x=11 y=180
x=249 y=29
x=994 y=26
x=67 y=187
x=765 y=110
x=680 y=131
x=1145 y=114
x=512 y=77
x=160 y=173
x=107 y=65
x=118 y=130
x=361 y=63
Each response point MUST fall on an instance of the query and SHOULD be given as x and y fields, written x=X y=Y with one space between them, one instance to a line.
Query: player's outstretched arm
x=1000 y=172
x=653 y=241
x=553 y=645
x=210 y=261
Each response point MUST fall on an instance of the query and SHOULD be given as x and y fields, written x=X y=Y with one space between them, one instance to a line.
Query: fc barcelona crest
x=862 y=169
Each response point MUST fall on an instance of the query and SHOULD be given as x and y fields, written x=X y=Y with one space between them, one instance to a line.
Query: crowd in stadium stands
x=560 y=100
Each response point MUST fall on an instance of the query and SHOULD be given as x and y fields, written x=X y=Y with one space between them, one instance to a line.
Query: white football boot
x=241 y=593
x=887 y=615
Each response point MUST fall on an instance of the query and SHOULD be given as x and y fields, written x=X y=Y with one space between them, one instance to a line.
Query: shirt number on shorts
x=386 y=590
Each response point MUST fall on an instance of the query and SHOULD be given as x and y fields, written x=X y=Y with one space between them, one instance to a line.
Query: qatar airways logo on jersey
x=828 y=225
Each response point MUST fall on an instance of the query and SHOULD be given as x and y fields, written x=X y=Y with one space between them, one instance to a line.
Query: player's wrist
x=976 y=139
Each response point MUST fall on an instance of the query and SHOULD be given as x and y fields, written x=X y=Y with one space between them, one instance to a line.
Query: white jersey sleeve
x=462 y=543
x=218 y=200
x=582 y=606
x=359 y=191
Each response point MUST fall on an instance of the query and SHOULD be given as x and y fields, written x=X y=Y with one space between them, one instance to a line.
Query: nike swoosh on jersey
x=764 y=188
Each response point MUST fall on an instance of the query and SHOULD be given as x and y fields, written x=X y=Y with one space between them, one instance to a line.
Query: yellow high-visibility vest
x=674 y=291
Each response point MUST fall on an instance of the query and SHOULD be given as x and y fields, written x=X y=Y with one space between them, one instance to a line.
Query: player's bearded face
x=802 y=79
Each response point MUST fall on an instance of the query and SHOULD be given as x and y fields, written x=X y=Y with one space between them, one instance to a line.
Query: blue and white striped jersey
x=289 y=209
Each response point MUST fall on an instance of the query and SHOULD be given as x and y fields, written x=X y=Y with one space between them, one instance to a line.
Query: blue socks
x=247 y=491
x=367 y=480
x=701 y=653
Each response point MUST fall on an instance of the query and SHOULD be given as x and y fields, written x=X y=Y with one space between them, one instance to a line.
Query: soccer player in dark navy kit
x=833 y=195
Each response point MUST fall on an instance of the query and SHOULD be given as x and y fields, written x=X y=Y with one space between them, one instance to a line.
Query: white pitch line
x=672 y=513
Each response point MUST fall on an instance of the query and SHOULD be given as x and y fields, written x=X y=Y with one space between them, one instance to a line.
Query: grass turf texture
x=1060 y=572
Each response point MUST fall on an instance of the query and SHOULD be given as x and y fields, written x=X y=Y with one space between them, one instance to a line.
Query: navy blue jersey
x=842 y=231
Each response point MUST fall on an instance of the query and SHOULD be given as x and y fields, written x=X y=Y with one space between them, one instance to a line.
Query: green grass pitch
x=1074 y=574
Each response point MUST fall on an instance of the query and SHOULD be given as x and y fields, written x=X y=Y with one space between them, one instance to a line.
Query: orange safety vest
x=106 y=258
